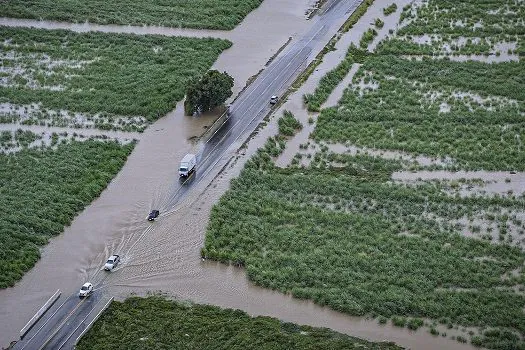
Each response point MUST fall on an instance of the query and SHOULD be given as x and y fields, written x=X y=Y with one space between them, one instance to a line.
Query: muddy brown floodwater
x=165 y=255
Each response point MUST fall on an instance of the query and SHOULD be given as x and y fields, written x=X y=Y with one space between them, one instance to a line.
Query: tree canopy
x=208 y=92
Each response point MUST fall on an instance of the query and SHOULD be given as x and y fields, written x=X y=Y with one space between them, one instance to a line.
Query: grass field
x=51 y=186
x=469 y=111
x=209 y=14
x=157 y=323
x=116 y=81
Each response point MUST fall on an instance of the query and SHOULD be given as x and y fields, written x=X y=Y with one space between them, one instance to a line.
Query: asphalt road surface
x=69 y=316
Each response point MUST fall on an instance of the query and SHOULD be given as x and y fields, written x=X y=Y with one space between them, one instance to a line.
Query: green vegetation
x=288 y=125
x=341 y=232
x=468 y=113
x=50 y=187
x=356 y=15
x=20 y=138
x=367 y=38
x=390 y=9
x=157 y=323
x=93 y=73
x=466 y=27
x=209 y=14
x=208 y=92
x=346 y=237
x=398 y=104
x=331 y=79
x=379 y=23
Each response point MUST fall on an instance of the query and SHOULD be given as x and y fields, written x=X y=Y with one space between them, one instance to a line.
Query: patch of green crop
x=157 y=323
x=288 y=124
x=94 y=73
x=367 y=38
x=404 y=111
x=41 y=190
x=352 y=240
x=201 y=14
x=390 y=9
x=331 y=79
x=465 y=27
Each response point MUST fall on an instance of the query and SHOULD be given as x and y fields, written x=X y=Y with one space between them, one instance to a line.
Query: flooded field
x=165 y=255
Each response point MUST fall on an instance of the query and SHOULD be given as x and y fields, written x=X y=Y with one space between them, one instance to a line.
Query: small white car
x=112 y=262
x=274 y=99
x=86 y=290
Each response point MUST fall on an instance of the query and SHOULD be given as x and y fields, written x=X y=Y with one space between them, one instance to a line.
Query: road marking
x=62 y=324
x=80 y=323
x=45 y=323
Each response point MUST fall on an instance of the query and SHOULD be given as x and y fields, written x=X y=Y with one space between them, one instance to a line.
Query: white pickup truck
x=187 y=165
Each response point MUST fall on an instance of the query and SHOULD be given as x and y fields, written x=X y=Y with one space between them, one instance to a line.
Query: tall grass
x=122 y=74
x=157 y=323
x=41 y=190
x=400 y=115
x=288 y=124
x=331 y=79
x=350 y=239
x=201 y=14
x=390 y=9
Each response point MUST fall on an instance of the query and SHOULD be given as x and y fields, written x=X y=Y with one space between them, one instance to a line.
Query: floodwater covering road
x=164 y=255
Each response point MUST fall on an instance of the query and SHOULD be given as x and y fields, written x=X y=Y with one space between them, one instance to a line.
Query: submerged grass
x=200 y=14
x=405 y=112
x=41 y=190
x=331 y=79
x=118 y=74
x=342 y=233
x=157 y=323
x=348 y=238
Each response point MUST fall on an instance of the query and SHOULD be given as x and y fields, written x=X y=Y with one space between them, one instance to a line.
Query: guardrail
x=40 y=313
x=93 y=321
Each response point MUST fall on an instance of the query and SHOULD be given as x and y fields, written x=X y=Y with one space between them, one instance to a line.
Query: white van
x=187 y=165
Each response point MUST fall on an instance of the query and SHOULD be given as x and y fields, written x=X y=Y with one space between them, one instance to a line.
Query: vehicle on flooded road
x=153 y=215
x=187 y=165
x=86 y=290
x=112 y=262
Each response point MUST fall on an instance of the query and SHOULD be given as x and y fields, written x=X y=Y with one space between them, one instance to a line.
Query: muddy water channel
x=165 y=255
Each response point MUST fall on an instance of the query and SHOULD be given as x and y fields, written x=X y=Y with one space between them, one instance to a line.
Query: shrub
x=288 y=125
x=390 y=9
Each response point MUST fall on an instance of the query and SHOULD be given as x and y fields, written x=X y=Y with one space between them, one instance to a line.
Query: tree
x=208 y=92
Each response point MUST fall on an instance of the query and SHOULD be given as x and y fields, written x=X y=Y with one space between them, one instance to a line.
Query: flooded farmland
x=165 y=255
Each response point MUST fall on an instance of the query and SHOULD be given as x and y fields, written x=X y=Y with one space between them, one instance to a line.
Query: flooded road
x=165 y=255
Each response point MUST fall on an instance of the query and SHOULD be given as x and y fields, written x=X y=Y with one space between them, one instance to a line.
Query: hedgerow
x=41 y=190
x=201 y=14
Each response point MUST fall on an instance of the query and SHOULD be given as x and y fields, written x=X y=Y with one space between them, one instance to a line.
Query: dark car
x=153 y=215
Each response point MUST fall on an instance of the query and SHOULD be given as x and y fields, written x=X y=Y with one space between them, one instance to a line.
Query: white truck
x=187 y=165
